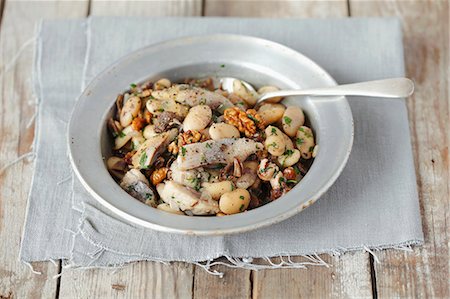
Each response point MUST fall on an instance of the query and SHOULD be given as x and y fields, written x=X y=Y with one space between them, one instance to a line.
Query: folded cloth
x=360 y=211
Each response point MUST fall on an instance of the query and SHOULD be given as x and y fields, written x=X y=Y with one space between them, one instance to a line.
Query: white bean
x=293 y=118
x=162 y=84
x=289 y=158
x=235 y=201
x=217 y=189
x=223 y=130
x=268 y=88
x=271 y=113
x=305 y=142
x=129 y=110
x=240 y=90
x=198 y=118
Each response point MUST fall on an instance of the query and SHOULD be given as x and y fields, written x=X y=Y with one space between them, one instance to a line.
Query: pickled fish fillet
x=152 y=148
x=193 y=96
x=221 y=151
x=182 y=198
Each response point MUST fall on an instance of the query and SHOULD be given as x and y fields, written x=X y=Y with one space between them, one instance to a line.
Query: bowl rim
x=223 y=231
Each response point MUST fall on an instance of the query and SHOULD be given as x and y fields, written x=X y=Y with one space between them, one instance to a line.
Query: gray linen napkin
x=360 y=211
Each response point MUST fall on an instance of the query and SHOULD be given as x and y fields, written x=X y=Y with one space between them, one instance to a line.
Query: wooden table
x=422 y=273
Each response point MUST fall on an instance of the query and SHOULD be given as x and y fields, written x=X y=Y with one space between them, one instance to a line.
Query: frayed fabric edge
x=280 y=261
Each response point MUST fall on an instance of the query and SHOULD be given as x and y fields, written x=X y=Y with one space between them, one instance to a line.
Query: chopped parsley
x=241 y=103
x=183 y=151
x=232 y=186
x=160 y=110
x=208 y=145
x=242 y=197
x=291 y=181
x=274 y=144
x=143 y=160
x=282 y=180
x=222 y=65
x=301 y=129
x=241 y=208
x=288 y=152
x=196 y=182
x=122 y=134
x=148 y=196
x=297 y=170
x=287 y=120
x=274 y=131
x=299 y=141
x=252 y=118
x=311 y=148
x=132 y=85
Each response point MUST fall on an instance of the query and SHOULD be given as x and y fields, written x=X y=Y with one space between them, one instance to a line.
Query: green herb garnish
x=291 y=181
x=274 y=131
x=143 y=160
x=274 y=144
x=311 y=149
x=122 y=134
x=287 y=120
x=299 y=141
x=297 y=170
x=183 y=151
x=241 y=208
x=242 y=197
x=132 y=85
x=222 y=65
x=208 y=145
x=252 y=118
x=148 y=196
x=288 y=152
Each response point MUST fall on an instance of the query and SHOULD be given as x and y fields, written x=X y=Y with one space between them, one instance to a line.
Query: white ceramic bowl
x=255 y=60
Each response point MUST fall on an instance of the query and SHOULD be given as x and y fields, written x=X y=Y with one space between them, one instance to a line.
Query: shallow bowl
x=258 y=61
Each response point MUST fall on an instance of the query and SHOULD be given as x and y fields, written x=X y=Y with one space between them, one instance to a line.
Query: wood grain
x=425 y=272
x=234 y=284
x=146 y=8
x=144 y=279
x=348 y=277
x=276 y=8
x=138 y=280
x=17 y=28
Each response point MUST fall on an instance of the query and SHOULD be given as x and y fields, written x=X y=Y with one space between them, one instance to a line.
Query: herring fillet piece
x=181 y=198
x=152 y=148
x=193 y=96
x=216 y=151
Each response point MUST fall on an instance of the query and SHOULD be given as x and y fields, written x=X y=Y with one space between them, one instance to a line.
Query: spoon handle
x=387 y=88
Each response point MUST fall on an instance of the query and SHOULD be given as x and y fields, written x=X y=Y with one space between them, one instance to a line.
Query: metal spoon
x=387 y=88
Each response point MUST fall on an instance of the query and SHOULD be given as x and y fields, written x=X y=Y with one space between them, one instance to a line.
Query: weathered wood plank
x=18 y=28
x=234 y=284
x=146 y=8
x=425 y=272
x=276 y=8
x=349 y=275
x=143 y=279
x=138 y=280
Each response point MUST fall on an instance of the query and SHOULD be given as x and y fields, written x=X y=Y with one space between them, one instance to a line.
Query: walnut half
x=247 y=122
